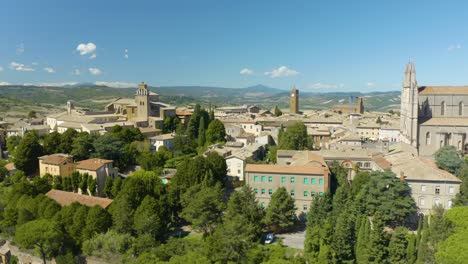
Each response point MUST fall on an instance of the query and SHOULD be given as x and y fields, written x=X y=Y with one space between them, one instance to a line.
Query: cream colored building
x=99 y=169
x=56 y=165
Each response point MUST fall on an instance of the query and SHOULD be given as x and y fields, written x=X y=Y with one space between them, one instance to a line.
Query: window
x=428 y=138
x=460 y=108
x=437 y=190
x=263 y=191
x=270 y=178
x=255 y=178
x=442 y=108
x=306 y=193
x=422 y=202
x=270 y=191
x=366 y=165
x=312 y=193
x=238 y=171
x=304 y=207
x=263 y=179
x=423 y=188
x=313 y=181
x=293 y=180
x=306 y=180
x=359 y=164
x=255 y=190
x=321 y=181
x=320 y=193
x=451 y=190
x=292 y=192
x=283 y=179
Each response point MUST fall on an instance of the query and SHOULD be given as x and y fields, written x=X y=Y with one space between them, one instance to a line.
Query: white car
x=269 y=238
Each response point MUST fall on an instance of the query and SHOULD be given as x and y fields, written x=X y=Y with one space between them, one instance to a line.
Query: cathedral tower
x=409 y=107
x=142 y=101
x=294 y=101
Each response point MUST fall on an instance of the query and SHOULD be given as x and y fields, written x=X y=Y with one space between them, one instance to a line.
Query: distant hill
x=96 y=97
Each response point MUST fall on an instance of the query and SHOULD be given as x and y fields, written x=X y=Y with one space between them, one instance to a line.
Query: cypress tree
x=411 y=250
x=397 y=248
x=377 y=241
x=201 y=133
x=423 y=250
x=362 y=241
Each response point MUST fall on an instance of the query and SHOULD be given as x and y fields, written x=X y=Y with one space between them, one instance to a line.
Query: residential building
x=320 y=138
x=66 y=198
x=166 y=140
x=237 y=161
x=302 y=182
x=58 y=164
x=98 y=169
x=357 y=107
x=390 y=132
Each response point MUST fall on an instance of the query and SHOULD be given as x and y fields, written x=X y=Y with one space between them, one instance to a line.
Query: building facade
x=294 y=101
x=98 y=169
x=56 y=165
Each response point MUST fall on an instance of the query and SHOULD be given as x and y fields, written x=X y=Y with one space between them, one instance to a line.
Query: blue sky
x=315 y=45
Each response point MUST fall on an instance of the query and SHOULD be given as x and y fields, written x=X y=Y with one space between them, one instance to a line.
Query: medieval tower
x=294 y=101
x=142 y=101
x=409 y=108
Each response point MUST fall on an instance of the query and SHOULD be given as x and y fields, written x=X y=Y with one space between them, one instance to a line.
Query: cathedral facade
x=432 y=116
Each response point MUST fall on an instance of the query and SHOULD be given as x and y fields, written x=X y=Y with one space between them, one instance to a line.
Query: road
x=293 y=240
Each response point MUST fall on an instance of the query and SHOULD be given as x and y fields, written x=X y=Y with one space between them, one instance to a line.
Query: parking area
x=293 y=240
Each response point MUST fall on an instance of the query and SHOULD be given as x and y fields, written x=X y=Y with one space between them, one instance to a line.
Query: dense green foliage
x=449 y=158
x=295 y=138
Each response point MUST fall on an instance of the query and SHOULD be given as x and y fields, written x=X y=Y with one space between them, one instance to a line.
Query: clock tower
x=294 y=101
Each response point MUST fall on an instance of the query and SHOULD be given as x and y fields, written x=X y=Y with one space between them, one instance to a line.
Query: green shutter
x=321 y=181
x=255 y=178
x=270 y=178
x=306 y=193
x=306 y=180
x=270 y=191
x=283 y=179
x=312 y=181
x=263 y=178
x=293 y=179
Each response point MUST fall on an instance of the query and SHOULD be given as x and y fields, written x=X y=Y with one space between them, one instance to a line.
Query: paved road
x=294 y=240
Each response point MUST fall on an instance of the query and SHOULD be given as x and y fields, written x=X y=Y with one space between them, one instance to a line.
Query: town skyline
x=323 y=46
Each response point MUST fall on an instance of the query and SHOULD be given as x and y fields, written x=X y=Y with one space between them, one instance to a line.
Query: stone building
x=58 y=164
x=294 y=101
x=432 y=116
x=352 y=108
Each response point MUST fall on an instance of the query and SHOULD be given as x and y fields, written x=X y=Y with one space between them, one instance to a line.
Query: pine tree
x=397 y=249
x=377 y=240
x=341 y=246
x=108 y=187
x=281 y=212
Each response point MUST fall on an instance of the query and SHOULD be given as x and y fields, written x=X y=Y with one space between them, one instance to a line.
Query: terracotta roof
x=382 y=163
x=67 y=198
x=307 y=169
x=446 y=121
x=92 y=164
x=56 y=159
x=449 y=90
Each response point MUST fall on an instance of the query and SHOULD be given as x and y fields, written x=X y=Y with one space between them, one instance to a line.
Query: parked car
x=269 y=238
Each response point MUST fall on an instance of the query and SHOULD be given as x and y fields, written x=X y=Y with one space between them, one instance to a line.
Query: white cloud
x=76 y=72
x=324 y=86
x=117 y=84
x=370 y=84
x=126 y=53
x=1 y=68
x=20 y=67
x=95 y=71
x=59 y=84
x=84 y=49
x=4 y=83
x=92 y=57
x=49 y=69
x=20 y=49
x=454 y=47
x=246 y=71
x=282 y=72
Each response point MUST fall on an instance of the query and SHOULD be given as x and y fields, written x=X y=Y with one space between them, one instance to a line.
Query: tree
x=27 y=152
x=281 y=212
x=397 y=248
x=377 y=240
x=108 y=245
x=108 y=187
x=462 y=196
x=201 y=133
x=342 y=249
x=151 y=218
x=32 y=114
x=318 y=229
x=12 y=143
x=110 y=147
x=454 y=250
x=379 y=120
x=66 y=140
x=98 y=221
x=278 y=111
x=203 y=207
x=92 y=185
x=43 y=234
x=84 y=183
x=215 y=132
x=295 y=138
x=51 y=143
x=449 y=158
x=411 y=250
x=82 y=146
x=271 y=155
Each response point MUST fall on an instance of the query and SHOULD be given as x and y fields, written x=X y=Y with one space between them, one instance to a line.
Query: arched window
x=460 y=108
x=442 y=108
x=428 y=138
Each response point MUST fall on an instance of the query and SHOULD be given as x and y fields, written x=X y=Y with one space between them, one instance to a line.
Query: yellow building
x=99 y=169
x=56 y=164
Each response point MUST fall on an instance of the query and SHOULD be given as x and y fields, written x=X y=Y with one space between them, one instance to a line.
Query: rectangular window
x=320 y=193
x=255 y=178
x=283 y=179
x=423 y=188
x=305 y=207
x=321 y=181
x=312 y=193
x=437 y=190
x=256 y=190
x=451 y=190
x=292 y=192
x=293 y=180
x=306 y=193
x=313 y=181
x=422 y=201
x=270 y=178
x=306 y=180
x=263 y=179
x=270 y=191
x=263 y=191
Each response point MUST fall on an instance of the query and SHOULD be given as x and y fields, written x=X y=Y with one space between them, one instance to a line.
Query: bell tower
x=294 y=101
x=409 y=107
x=142 y=101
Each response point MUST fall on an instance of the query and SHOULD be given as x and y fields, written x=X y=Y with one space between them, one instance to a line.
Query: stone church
x=432 y=116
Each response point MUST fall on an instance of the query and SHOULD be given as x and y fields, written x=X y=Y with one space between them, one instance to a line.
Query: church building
x=432 y=116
